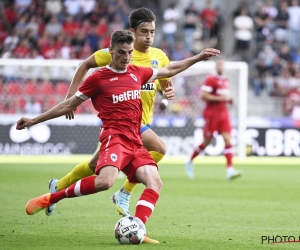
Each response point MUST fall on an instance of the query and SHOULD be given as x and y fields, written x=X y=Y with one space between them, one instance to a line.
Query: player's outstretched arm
x=177 y=67
x=80 y=72
x=60 y=109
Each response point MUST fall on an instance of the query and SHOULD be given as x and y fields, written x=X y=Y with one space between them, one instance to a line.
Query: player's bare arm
x=167 y=88
x=206 y=96
x=60 y=109
x=80 y=72
x=177 y=67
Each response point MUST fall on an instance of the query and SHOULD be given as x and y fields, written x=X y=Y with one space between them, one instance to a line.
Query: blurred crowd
x=266 y=35
x=273 y=28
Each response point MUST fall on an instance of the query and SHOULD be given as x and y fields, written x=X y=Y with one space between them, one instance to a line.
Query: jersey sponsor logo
x=154 y=64
x=149 y=86
x=133 y=77
x=113 y=79
x=114 y=157
x=126 y=96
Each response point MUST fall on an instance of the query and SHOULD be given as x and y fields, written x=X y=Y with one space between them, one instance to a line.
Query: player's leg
x=208 y=130
x=80 y=171
x=107 y=171
x=157 y=149
x=86 y=186
x=225 y=131
x=148 y=175
x=231 y=173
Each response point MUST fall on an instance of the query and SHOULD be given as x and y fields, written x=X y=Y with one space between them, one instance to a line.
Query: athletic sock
x=78 y=172
x=82 y=187
x=197 y=151
x=128 y=186
x=157 y=157
x=228 y=155
x=146 y=204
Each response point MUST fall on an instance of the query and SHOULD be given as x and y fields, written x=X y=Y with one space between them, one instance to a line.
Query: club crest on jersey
x=154 y=64
x=114 y=157
x=133 y=77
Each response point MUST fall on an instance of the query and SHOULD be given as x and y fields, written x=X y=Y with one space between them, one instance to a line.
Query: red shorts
x=127 y=156
x=213 y=124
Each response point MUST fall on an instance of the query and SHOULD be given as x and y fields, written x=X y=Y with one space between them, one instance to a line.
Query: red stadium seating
x=61 y=88
x=46 y=88
x=30 y=88
x=13 y=88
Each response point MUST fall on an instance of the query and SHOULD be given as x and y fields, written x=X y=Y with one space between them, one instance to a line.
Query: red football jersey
x=216 y=85
x=116 y=95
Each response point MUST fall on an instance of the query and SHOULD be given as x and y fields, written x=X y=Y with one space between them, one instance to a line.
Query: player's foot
x=121 y=199
x=37 y=204
x=53 y=189
x=189 y=169
x=151 y=241
x=232 y=174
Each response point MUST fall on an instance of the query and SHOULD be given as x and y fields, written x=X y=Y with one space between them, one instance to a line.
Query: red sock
x=84 y=186
x=146 y=204
x=197 y=151
x=228 y=155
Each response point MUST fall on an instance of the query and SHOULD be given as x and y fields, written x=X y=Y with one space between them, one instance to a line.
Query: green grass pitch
x=206 y=213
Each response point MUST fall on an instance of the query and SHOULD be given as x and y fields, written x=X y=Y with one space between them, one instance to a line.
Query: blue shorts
x=144 y=128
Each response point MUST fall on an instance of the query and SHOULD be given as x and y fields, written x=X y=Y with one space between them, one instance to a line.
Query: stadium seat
x=46 y=88
x=61 y=88
x=21 y=102
x=13 y=88
x=30 y=88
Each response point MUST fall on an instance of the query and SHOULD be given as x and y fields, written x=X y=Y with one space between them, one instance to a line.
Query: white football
x=130 y=230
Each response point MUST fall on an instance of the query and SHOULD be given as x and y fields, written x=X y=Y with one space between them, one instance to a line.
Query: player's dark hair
x=141 y=15
x=121 y=37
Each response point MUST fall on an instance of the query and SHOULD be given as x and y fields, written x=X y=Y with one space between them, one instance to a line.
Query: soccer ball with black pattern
x=130 y=230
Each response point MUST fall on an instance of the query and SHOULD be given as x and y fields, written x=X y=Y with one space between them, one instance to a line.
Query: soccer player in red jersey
x=215 y=92
x=115 y=91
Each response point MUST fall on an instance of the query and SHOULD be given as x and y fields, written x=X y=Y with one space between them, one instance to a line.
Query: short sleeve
x=208 y=84
x=102 y=57
x=147 y=74
x=90 y=87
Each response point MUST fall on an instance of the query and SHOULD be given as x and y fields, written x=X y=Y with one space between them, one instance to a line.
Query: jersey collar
x=116 y=71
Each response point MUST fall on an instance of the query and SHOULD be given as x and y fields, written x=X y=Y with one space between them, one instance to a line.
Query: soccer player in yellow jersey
x=142 y=24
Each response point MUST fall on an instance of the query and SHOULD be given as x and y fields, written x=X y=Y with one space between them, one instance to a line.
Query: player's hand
x=230 y=101
x=23 y=123
x=169 y=90
x=208 y=53
x=70 y=116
